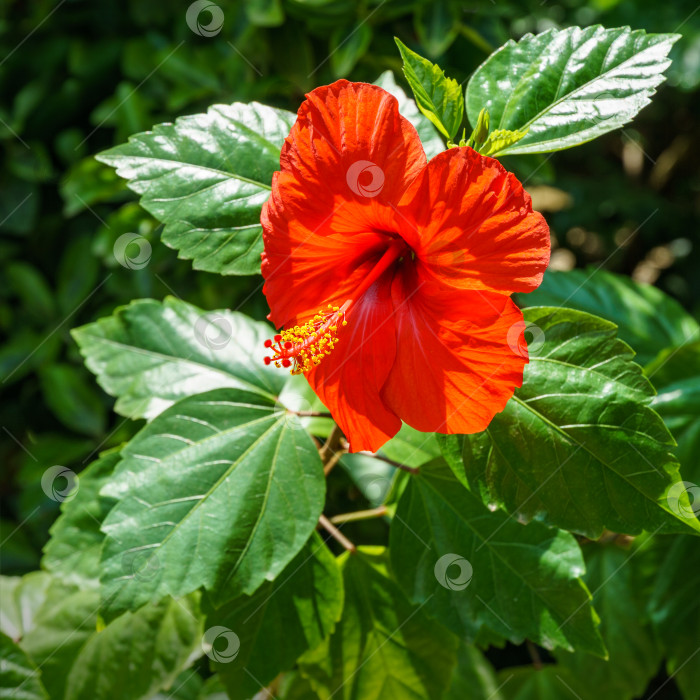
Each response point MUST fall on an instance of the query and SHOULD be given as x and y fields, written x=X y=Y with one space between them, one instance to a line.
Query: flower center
x=303 y=347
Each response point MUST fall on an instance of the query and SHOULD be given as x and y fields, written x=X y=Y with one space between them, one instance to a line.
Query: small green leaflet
x=150 y=354
x=469 y=566
x=578 y=445
x=221 y=490
x=568 y=86
x=383 y=648
x=206 y=178
x=438 y=97
x=282 y=620
x=432 y=143
x=500 y=139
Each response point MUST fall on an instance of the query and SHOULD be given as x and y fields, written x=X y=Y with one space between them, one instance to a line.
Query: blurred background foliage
x=77 y=77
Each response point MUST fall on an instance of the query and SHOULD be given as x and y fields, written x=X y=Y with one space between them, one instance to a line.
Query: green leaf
x=678 y=404
x=19 y=678
x=469 y=566
x=647 y=319
x=675 y=613
x=634 y=659
x=150 y=354
x=293 y=686
x=218 y=491
x=578 y=444
x=73 y=552
x=187 y=686
x=72 y=400
x=281 y=621
x=432 y=143
x=411 y=447
x=348 y=44
x=568 y=86
x=676 y=374
x=65 y=618
x=138 y=653
x=499 y=140
x=21 y=597
x=438 y=97
x=373 y=477
x=265 y=13
x=437 y=25
x=383 y=648
x=206 y=178
x=473 y=677
x=528 y=683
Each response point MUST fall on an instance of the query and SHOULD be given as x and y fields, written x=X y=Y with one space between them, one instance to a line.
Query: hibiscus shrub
x=513 y=452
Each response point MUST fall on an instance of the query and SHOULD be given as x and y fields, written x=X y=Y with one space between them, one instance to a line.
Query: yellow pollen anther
x=303 y=347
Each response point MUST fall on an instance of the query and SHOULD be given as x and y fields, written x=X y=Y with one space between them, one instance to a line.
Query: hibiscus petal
x=348 y=381
x=460 y=355
x=348 y=158
x=471 y=225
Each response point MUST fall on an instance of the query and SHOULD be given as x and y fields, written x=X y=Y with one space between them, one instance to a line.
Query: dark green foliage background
x=77 y=77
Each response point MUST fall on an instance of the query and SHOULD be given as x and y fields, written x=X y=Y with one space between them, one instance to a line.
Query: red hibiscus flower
x=390 y=275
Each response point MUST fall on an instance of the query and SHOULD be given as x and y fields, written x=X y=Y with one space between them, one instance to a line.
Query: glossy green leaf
x=615 y=582
x=150 y=354
x=578 y=444
x=438 y=97
x=470 y=566
x=138 y=653
x=19 y=677
x=383 y=648
x=432 y=143
x=568 y=86
x=73 y=552
x=675 y=612
x=217 y=491
x=206 y=178
x=647 y=319
x=281 y=621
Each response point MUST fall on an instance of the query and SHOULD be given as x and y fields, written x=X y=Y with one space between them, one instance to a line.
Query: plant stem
x=311 y=414
x=534 y=655
x=398 y=465
x=360 y=515
x=336 y=534
x=332 y=450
